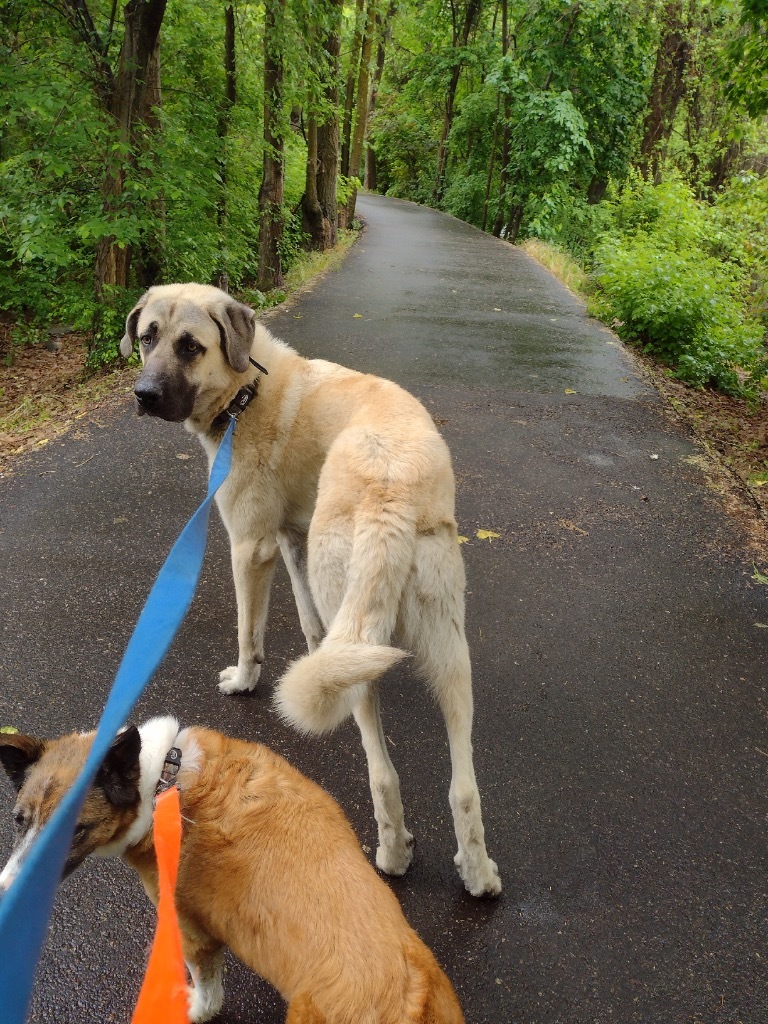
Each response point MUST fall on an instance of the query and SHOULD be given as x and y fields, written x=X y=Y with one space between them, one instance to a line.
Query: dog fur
x=269 y=867
x=346 y=475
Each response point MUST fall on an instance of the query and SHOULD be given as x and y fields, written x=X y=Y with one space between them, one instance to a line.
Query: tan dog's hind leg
x=431 y=625
x=357 y=570
x=293 y=547
x=395 y=850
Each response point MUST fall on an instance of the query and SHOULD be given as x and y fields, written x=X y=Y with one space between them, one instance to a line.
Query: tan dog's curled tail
x=319 y=691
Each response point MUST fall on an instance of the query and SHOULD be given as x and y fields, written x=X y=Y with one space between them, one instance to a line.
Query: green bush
x=684 y=307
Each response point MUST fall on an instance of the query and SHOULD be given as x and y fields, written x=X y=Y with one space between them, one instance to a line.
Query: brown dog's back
x=272 y=868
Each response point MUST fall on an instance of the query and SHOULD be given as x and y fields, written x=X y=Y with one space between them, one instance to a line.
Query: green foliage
x=664 y=289
x=49 y=206
x=745 y=64
x=534 y=134
x=108 y=326
x=190 y=192
x=736 y=234
x=404 y=140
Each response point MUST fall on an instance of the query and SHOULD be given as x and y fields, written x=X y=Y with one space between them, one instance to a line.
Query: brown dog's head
x=43 y=770
x=193 y=340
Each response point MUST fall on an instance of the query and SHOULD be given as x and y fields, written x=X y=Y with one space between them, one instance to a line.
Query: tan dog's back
x=271 y=867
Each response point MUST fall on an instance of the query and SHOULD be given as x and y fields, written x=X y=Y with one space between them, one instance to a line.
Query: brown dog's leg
x=302 y=1010
x=205 y=962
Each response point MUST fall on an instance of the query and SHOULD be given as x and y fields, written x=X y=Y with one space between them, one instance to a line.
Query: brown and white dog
x=348 y=477
x=270 y=867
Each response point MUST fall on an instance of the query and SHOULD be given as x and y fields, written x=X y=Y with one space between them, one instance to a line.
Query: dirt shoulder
x=733 y=437
x=45 y=393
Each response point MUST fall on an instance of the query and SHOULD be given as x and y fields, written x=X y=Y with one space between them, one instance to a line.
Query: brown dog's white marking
x=347 y=476
x=270 y=867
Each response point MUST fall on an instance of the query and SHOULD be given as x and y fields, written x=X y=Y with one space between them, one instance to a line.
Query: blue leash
x=26 y=906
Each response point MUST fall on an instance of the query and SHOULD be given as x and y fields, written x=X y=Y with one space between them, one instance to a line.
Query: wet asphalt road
x=619 y=649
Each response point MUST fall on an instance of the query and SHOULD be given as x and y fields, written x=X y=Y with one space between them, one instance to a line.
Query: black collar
x=242 y=399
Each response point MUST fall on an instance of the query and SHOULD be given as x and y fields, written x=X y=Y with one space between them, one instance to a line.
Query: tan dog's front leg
x=253 y=566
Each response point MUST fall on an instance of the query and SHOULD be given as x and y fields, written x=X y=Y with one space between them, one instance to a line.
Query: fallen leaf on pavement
x=568 y=524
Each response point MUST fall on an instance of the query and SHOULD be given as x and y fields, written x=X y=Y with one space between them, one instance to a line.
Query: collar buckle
x=171 y=767
x=238 y=405
x=241 y=401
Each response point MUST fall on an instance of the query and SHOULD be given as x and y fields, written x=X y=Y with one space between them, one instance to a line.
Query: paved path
x=619 y=649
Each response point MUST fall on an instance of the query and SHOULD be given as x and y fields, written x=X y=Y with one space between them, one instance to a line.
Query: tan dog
x=269 y=867
x=346 y=474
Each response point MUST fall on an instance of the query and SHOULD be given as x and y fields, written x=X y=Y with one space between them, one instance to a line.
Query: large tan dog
x=269 y=867
x=346 y=474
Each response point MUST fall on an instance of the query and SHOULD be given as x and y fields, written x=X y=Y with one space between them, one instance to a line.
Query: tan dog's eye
x=193 y=348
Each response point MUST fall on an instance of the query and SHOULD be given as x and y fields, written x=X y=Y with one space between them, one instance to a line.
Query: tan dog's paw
x=395 y=859
x=482 y=878
x=237 y=680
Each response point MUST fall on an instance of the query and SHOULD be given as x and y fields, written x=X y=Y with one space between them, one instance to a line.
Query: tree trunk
x=225 y=115
x=136 y=86
x=471 y=15
x=514 y=223
x=320 y=202
x=668 y=86
x=151 y=249
x=501 y=212
x=270 y=273
x=361 y=113
x=349 y=94
x=313 y=222
x=383 y=33
x=491 y=166
x=597 y=189
x=228 y=102
x=328 y=135
x=724 y=164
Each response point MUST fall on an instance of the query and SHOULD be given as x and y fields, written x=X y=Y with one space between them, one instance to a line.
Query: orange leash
x=163 y=995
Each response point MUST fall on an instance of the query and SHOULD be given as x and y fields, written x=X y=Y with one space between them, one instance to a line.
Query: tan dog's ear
x=131 y=326
x=17 y=754
x=236 y=323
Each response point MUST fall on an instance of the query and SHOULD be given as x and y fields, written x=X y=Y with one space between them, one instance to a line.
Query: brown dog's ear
x=235 y=323
x=18 y=753
x=131 y=327
x=118 y=775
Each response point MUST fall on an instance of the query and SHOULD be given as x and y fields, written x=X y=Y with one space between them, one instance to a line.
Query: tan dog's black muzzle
x=168 y=397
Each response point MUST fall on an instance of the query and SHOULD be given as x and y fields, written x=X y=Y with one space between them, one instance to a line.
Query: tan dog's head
x=43 y=770
x=193 y=340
